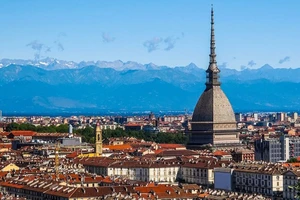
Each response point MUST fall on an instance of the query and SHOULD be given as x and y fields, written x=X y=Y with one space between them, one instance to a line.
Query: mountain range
x=57 y=86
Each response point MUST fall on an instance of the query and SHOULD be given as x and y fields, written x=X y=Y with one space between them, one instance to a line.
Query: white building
x=197 y=170
x=295 y=116
x=255 y=116
x=158 y=171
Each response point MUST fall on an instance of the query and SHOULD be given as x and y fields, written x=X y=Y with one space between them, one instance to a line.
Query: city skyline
x=128 y=130
x=172 y=33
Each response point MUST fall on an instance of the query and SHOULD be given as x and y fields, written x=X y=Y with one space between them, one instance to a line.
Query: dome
x=213 y=119
x=213 y=106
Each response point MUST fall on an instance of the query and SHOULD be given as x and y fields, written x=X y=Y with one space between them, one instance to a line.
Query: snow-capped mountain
x=46 y=63
x=55 y=64
x=52 y=85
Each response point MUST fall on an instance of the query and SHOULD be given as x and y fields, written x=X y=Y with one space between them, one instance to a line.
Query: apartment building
x=158 y=171
x=266 y=181
x=277 y=149
x=260 y=178
x=200 y=171
x=290 y=180
x=196 y=170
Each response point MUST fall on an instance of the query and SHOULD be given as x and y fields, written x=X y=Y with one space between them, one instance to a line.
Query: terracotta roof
x=295 y=164
x=158 y=151
x=2 y=174
x=130 y=124
x=5 y=145
x=220 y=153
x=4 y=134
x=170 y=146
x=177 y=153
x=72 y=155
x=23 y=133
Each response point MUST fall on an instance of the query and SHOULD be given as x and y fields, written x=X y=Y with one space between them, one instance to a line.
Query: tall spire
x=213 y=70
x=212 y=39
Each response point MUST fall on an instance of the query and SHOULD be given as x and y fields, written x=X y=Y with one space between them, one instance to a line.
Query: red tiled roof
x=4 y=133
x=2 y=174
x=170 y=146
x=220 y=153
x=5 y=145
x=132 y=124
x=158 y=151
x=177 y=153
x=72 y=155
x=23 y=133
x=296 y=164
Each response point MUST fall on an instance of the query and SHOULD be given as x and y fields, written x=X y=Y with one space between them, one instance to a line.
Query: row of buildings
x=267 y=117
x=277 y=149
x=217 y=167
x=276 y=180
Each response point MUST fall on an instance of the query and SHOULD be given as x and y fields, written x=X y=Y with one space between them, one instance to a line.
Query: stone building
x=213 y=120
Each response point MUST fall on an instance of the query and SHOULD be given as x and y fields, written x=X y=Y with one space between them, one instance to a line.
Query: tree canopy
x=88 y=134
x=63 y=128
x=292 y=160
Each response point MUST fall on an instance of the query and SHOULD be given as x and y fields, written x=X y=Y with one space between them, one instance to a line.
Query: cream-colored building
x=161 y=171
x=109 y=126
x=262 y=178
x=268 y=183
x=200 y=171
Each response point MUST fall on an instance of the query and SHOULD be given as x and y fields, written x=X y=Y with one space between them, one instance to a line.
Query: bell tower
x=98 y=140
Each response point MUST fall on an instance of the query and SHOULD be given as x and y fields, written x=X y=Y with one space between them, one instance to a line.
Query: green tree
x=297 y=188
x=88 y=133
x=292 y=160
x=63 y=128
x=12 y=127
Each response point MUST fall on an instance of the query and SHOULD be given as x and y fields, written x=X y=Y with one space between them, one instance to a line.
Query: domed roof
x=213 y=106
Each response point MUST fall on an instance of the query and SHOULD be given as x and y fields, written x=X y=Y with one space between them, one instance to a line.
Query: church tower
x=98 y=134
x=213 y=120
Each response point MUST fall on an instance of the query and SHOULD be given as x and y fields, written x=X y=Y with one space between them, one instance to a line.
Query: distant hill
x=54 y=86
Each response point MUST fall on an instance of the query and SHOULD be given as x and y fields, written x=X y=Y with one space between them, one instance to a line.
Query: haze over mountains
x=57 y=86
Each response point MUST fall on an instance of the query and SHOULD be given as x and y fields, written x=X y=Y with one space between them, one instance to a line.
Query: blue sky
x=165 y=32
